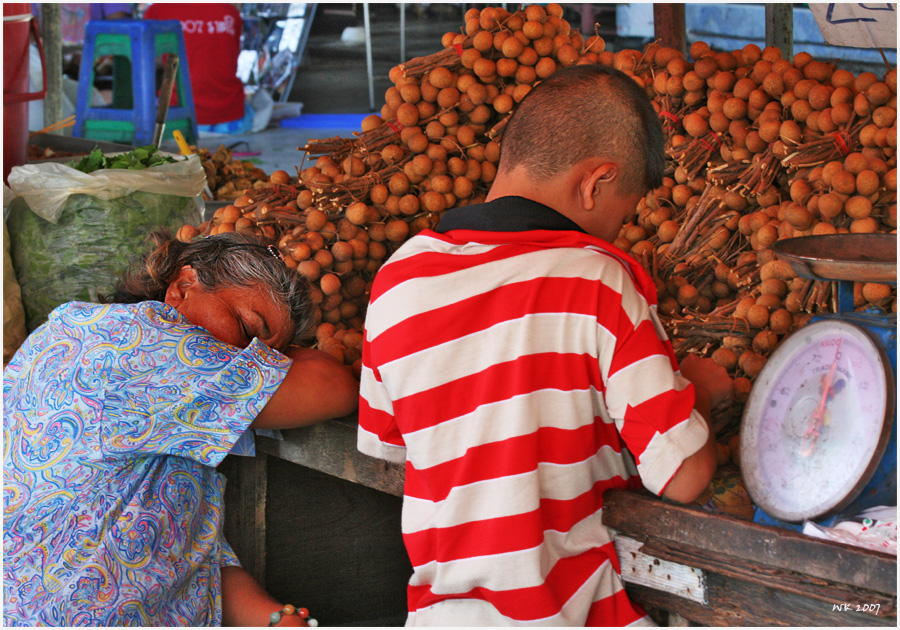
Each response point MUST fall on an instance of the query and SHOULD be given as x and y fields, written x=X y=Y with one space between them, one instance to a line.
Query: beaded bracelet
x=275 y=617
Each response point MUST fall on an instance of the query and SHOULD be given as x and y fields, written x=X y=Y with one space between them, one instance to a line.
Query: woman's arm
x=317 y=387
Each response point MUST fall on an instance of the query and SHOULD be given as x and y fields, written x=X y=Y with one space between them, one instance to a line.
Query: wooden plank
x=330 y=447
x=827 y=591
x=651 y=567
x=669 y=27
x=734 y=602
x=644 y=515
x=780 y=27
x=639 y=568
x=245 y=513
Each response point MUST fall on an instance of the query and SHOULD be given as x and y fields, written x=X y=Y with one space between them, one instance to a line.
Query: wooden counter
x=318 y=525
x=330 y=448
x=717 y=570
x=701 y=567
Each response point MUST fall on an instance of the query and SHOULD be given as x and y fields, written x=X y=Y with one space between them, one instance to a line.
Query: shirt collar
x=505 y=214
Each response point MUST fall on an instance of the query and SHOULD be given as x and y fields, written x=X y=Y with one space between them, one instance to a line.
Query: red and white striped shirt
x=519 y=374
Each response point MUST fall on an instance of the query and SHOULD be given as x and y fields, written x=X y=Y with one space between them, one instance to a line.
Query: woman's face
x=232 y=315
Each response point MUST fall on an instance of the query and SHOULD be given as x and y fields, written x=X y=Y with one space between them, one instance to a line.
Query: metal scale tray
x=851 y=257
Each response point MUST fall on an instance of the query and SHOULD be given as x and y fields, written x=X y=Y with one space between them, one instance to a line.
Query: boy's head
x=583 y=112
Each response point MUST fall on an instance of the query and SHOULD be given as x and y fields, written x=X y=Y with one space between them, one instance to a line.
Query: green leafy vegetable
x=85 y=253
x=139 y=158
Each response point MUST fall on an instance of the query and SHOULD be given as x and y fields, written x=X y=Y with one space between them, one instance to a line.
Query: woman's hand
x=317 y=387
x=245 y=603
x=291 y=621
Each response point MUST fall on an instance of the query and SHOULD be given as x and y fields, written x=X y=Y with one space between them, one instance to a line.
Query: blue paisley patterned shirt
x=114 y=419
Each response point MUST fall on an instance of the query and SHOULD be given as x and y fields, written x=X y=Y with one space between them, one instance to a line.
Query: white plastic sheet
x=875 y=528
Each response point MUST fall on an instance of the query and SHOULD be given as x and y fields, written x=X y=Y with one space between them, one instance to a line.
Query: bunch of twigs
x=748 y=178
x=706 y=209
x=694 y=155
x=828 y=147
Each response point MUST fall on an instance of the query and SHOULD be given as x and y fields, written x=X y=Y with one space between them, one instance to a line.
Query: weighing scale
x=819 y=431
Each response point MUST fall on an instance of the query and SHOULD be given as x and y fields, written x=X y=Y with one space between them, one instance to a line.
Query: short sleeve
x=653 y=403
x=228 y=558
x=378 y=434
x=175 y=390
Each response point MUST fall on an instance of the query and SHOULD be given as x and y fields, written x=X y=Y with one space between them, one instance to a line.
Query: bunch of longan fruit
x=786 y=148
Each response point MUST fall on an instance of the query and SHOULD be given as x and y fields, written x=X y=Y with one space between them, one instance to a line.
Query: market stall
x=763 y=150
x=700 y=566
x=759 y=148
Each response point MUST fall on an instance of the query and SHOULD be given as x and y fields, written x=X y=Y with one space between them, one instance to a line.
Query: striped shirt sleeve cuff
x=666 y=452
x=370 y=444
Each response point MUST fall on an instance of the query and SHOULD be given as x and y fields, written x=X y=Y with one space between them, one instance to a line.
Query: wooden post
x=51 y=36
x=587 y=19
x=368 y=27
x=402 y=32
x=668 y=24
x=780 y=28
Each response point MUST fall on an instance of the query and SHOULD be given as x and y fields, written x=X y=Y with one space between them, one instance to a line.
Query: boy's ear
x=596 y=182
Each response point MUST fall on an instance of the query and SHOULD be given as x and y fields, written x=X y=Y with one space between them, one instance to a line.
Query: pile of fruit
x=763 y=149
x=227 y=177
x=760 y=148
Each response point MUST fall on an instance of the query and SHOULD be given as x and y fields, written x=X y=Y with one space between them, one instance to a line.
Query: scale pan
x=856 y=257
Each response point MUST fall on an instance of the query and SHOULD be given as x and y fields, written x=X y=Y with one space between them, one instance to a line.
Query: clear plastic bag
x=46 y=187
x=73 y=234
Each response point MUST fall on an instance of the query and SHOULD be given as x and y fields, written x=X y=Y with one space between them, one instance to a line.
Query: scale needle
x=819 y=414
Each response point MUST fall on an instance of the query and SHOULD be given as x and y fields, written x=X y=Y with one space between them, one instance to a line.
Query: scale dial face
x=817 y=421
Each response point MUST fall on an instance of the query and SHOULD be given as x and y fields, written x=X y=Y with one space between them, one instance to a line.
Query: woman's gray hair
x=227 y=260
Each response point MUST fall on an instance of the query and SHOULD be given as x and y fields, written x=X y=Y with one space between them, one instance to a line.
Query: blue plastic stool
x=135 y=46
